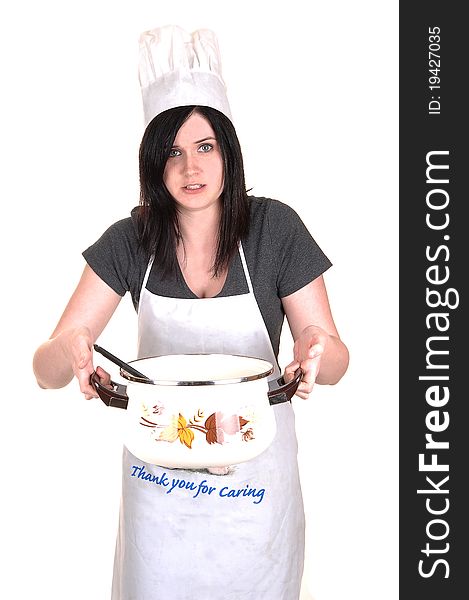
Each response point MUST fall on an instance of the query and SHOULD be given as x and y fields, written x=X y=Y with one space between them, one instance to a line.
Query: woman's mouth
x=193 y=188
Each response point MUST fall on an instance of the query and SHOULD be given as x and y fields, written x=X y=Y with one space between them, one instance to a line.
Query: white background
x=313 y=91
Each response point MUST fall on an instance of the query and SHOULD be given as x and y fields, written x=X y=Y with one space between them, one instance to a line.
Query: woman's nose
x=191 y=164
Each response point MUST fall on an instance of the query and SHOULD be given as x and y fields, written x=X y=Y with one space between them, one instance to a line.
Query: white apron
x=193 y=535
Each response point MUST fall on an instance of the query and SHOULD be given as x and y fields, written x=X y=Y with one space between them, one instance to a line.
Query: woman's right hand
x=69 y=350
x=81 y=359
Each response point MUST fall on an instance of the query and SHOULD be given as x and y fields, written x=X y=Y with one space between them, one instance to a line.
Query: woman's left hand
x=307 y=354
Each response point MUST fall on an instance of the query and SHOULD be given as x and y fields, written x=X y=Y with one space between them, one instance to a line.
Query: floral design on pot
x=216 y=427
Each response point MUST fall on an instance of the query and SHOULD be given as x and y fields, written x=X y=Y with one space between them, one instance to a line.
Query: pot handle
x=116 y=397
x=285 y=391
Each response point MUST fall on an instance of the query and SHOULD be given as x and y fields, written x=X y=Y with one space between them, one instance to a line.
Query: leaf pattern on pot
x=178 y=428
x=216 y=426
x=197 y=418
x=248 y=435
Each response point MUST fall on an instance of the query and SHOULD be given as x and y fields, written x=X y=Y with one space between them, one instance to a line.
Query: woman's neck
x=196 y=253
x=199 y=229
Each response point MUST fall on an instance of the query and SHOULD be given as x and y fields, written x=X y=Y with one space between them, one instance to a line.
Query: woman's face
x=194 y=171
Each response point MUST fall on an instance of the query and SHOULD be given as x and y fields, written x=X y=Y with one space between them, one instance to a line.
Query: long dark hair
x=157 y=220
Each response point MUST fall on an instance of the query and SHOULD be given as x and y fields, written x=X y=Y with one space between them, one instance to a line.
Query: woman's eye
x=205 y=147
x=174 y=152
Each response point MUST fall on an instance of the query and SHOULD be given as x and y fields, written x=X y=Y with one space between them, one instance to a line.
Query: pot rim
x=174 y=382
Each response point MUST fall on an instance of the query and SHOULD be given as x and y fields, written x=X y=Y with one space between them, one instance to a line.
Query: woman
x=209 y=269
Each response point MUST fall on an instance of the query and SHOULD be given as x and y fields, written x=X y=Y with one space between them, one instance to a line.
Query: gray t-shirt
x=281 y=256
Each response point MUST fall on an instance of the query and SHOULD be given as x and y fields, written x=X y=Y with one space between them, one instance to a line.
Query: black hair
x=157 y=219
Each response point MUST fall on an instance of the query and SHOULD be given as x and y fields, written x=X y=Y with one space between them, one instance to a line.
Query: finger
x=290 y=370
x=304 y=391
x=309 y=374
x=310 y=369
x=85 y=384
x=103 y=375
x=306 y=387
x=89 y=392
x=82 y=352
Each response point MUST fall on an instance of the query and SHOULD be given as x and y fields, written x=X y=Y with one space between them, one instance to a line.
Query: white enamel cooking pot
x=198 y=410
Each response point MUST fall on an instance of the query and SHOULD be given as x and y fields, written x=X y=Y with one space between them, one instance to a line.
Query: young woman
x=210 y=269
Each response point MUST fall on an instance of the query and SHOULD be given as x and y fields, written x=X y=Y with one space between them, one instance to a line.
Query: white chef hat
x=177 y=68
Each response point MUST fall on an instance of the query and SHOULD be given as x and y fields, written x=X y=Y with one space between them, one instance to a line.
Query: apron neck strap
x=245 y=267
x=243 y=261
